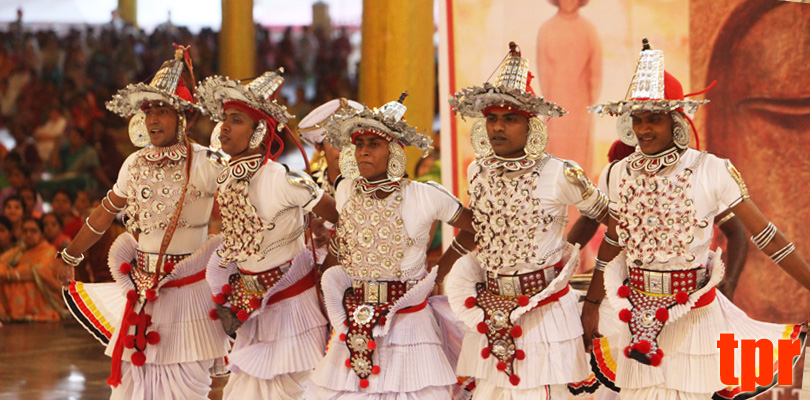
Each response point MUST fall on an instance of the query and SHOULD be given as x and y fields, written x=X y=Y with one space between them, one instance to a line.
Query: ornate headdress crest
x=311 y=127
x=259 y=94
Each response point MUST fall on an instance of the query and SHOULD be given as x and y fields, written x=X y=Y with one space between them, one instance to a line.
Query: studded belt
x=147 y=262
x=261 y=282
x=378 y=292
x=667 y=282
x=523 y=284
x=143 y=272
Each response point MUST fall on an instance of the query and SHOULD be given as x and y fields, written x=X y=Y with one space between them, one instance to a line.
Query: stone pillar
x=237 y=40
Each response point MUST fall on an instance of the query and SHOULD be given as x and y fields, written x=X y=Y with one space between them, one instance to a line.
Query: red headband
x=508 y=108
x=357 y=134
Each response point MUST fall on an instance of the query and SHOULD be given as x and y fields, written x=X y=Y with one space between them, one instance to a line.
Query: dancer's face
x=507 y=131
x=372 y=156
x=653 y=131
x=161 y=122
x=237 y=129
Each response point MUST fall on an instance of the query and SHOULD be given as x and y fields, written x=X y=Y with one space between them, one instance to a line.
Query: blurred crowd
x=61 y=150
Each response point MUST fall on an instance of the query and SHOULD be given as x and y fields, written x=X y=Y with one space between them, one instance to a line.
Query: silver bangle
x=69 y=259
x=610 y=241
x=97 y=232
x=107 y=196
x=599 y=265
x=782 y=253
x=765 y=237
x=458 y=248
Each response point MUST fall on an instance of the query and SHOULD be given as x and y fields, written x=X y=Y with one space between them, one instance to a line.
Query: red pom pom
x=383 y=320
x=138 y=359
x=624 y=291
x=342 y=337
x=212 y=313
x=485 y=353
x=516 y=331
x=682 y=297
x=627 y=351
x=523 y=301
x=470 y=302
x=148 y=319
x=643 y=346
x=242 y=315
x=132 y=296
x=375 y=369
x=219 y=298
x=662 y=314
x=129 y=341
x=371 y=345
x=348 y=363
x=625 y=315
x=520 y=354
x=483 y=327
x=234 y=309
x=346 y=322
x=152 y=337
x=151 y=294
x=168 y=267
x=255 y=302
x=514 y=380
x=125 y=268
x=132 y=318
x=364 y=383
x=655 y=359
x=501 y=366
x=227 y=288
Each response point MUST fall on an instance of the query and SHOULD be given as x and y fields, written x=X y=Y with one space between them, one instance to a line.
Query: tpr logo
x=757 y=371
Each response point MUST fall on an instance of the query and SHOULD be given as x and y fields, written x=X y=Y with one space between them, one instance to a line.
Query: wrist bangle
x=610 y=241
x=782 y=253
x=97 y=232
x=69 y=259
x=599 y=265
x=118 y=209
x=592 y=301
x=458 y=248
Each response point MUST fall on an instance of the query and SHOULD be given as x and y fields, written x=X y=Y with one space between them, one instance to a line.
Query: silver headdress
x=510 y=89
x=311 y=128
x=259 y=94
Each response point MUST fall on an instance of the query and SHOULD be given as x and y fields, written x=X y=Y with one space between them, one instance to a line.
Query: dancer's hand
x=590 y=324
x=64 y=272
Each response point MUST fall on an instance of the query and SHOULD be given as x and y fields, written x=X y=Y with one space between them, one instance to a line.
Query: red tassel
x=516 y=331
x=234 y=309
x=140 y=341
x=501 y=366
x=371 y=345
x=132 y=318
x=132 y=296
x=348 y=363
x=242 y=315
x=520 y=354
x=153 y=337
x=643 y=346
x=382 y=322
x=255 y=302
x=227 y=288
x=151 y=294
x=625 y=315
x=125 y=268
x=364 y=383
x=662 y=314
x=483 y=327
x=624 y=291
x=219 y=298
x=129 y=341
x=138 y=359
x=346 y=322
x=375 y=369
x=523 y=300
x=682 y=297
x=168 y=267
x=342 y=337
x=655 y=359
x=470 y=302
x=514 y=380
x=485 y=353
x=212 y=313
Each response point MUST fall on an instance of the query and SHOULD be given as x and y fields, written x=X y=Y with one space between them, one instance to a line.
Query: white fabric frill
x=179 y=314
x=281 y=338
x=409 y=350
x=552 y=333
x=186 y=381
x=691 y=362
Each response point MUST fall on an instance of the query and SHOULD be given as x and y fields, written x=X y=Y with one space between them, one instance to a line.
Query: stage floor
x=56 y=361
x=61 y=361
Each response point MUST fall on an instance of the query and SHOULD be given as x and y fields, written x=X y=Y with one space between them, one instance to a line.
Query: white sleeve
x=729 y=188
x=121 y=186
x=291 y=194
x=438 y=202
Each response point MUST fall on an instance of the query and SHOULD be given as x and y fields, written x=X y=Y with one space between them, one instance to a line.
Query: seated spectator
x=75 y=166
x=62 y=205
x=14 y=210
x=52 y=229
x=18 y=177
x=32 y=201
x=7 y=239
x=50 y=133
x=29 y=290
